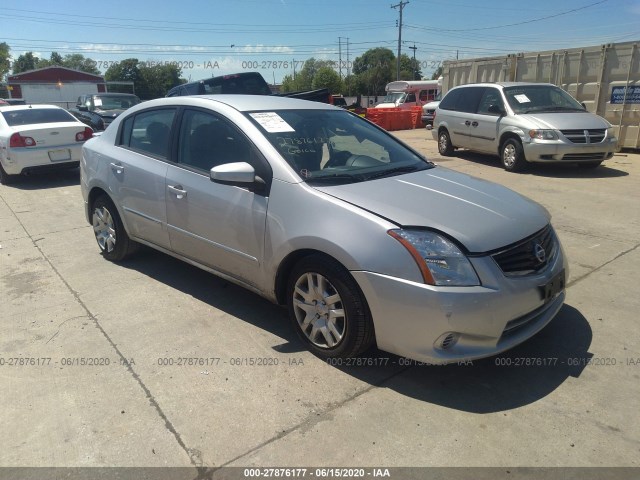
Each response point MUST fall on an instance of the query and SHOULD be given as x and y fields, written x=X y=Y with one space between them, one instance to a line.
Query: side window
x=490 y=97
x=411 y=98
x=450 y=100
x=207 y=140
x=149 y=132
x=469 y=99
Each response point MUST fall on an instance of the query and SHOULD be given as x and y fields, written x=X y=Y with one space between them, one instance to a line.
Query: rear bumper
x=29 y=159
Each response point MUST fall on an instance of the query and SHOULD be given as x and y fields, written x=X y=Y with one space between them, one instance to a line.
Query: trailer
x=605 y=78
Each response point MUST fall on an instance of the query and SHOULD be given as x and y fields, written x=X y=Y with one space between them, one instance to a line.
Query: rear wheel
x=444 y=144
x=512 y=155
x=5 y=178
x=112 y=238
x=327 y=308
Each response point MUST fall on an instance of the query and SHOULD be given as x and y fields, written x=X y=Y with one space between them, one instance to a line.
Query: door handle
x=177 y=191
x=474 y=124
x=116 y=167
x=467 y=123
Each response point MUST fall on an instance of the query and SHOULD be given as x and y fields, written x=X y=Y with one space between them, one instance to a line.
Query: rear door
x=137 y=173
x=484 y=124
x=220 y=226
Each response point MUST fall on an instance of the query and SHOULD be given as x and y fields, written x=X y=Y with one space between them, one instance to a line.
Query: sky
x=274 y=37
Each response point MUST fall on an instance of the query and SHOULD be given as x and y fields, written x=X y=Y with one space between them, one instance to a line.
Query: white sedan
x=39 y=137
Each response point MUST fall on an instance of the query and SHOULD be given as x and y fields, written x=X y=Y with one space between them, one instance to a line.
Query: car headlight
x=543 y=134
x=440 y=261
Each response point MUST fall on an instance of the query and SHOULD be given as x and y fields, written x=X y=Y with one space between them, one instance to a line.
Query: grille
x=585 y=136
x=584 y=156
x=523 y=258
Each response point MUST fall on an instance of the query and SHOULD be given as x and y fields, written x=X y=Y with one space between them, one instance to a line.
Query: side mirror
x=497 y=109
x=583 y=105
x=83 y=108
x=239 y=173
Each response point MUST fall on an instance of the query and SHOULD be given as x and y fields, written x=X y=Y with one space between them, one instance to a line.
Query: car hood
x=482 y=215
x=566 y=120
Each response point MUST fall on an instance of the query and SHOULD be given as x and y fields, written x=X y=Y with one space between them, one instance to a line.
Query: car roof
x=113 y=94
x=242 y=103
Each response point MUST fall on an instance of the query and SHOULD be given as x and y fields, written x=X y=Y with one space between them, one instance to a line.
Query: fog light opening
x=447 y=341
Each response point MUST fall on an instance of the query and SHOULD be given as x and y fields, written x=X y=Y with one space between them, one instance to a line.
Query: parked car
x=245 y=83
x=429 y=111
x=522 y=122
x=98 y=110
x=315 y=208
x=39 y=137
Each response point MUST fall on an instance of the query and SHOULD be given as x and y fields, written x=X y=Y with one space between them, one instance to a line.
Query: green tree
x=409 y=68
x=327 y=77
x=5 y=60
x=77 y=61
x=374 y=69
x=56 y=59
x=437 y=74
x=25 y=62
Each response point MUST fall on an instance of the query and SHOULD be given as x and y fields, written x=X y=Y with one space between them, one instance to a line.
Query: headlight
x=543 y=134
x=440 y=261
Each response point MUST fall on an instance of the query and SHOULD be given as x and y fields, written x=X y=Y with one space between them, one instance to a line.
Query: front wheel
x=327 y=308
x=444 y=144
x=112 y=238
x=512 y=156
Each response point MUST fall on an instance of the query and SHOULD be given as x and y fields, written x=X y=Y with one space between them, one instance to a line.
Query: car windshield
x=327 y=146
x=31 y=116
x=393 y=97
x=540 y=98
x=114 y=102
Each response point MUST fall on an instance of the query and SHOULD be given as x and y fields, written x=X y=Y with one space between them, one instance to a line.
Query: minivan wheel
x=512 y=155
x=444 y=144
x=327 y=308
x=111 y=236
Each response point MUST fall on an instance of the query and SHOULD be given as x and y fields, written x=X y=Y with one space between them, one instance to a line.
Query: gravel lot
x=170 y=381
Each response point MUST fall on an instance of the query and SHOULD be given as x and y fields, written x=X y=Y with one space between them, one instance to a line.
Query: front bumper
x=413 y=319
x=561 y=151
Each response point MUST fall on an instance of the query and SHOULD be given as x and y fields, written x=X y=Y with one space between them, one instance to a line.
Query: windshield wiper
x=556 y=109
x=336 y=178
x=394 y=171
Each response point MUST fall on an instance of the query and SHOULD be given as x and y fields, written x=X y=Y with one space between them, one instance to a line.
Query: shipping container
x=605 y=78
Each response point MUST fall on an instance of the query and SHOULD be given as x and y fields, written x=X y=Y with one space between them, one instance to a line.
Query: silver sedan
x=364 y=240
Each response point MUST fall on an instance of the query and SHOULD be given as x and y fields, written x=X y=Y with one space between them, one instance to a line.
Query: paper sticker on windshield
x=522 y=98
x=97 y=102
x=272 y=122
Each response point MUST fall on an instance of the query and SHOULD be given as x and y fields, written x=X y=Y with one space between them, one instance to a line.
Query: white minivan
x=522 y=122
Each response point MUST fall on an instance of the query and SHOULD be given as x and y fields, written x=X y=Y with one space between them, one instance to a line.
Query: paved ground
x=59 y=300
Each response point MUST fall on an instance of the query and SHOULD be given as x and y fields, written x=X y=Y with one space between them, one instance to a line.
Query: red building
x=57 y=85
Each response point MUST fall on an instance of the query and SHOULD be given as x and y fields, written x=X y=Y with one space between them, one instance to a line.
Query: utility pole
x=400 y=6
x=415 y=70
x=340 y=57
x=348 y=72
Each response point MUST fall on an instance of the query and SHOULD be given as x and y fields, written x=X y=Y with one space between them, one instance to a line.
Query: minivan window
x=490 y=97
x=540 y=98
x=469 y=99
x=450 y=100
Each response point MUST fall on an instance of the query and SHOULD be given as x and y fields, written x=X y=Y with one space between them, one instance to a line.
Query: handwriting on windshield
x=297 y=145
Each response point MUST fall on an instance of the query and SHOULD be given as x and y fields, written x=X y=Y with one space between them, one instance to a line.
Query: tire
x=590 y=165
x=512 y=156
x=5 y=178
x=327 y=309
x=115 y=245
x=444 y=144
